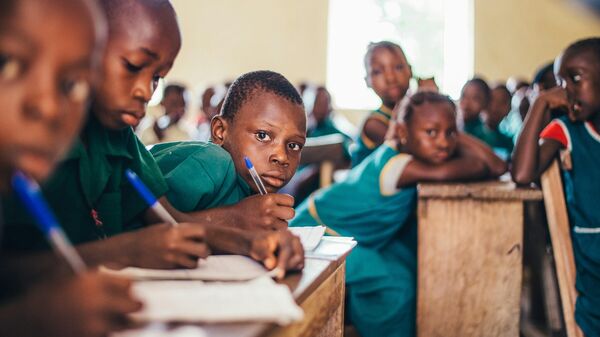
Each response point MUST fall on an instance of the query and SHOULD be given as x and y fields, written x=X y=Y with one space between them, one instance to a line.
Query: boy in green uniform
x=388 y=74
x=89 y=193
x=474 y=98
x=376 y=203
x=489 y=131
x=44 y=88
x=262 y=118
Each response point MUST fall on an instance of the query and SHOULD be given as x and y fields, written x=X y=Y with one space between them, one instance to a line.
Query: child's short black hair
x=391 y=46
x=248 y=84
x=503 y=88
x=482 y=85
x=539 y=75
x=173 y=88
x=585 y=45
x=423 y=97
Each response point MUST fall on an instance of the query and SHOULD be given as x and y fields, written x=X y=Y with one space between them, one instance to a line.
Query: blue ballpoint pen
x=31 y=196
x=259 y=184
x=147 y=195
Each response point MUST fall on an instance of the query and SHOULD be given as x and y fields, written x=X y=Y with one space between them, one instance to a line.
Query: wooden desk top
x=489 y=190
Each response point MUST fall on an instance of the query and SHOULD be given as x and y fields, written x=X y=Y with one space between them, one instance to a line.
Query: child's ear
x=218 y=129
x=401 y=133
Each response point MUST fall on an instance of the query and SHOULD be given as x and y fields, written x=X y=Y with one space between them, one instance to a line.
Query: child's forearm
x=525 y=158
x=471 y=146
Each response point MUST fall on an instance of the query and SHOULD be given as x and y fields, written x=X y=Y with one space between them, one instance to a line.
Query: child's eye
x=262 y=136
x=576 y=78
x=76 y=90
x=155 y=81
x=452 y=133
x=375 y=72
x=399 y=66
x=431 y=132
x=295 y=146
x=10 y=67
x=132 y=68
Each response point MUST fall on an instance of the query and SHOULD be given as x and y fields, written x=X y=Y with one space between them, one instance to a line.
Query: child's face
x=431 y=133
x=472 y=101
x=45 y=77
x=388 y=74
x=322 y=107
x=270 y=131
x=174 y=104
x=580 y=75
x=499 y=107
x=140 y=51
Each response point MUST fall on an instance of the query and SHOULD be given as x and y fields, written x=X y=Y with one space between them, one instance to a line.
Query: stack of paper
x=318 y=246
x=214 y=268
x=261 y=300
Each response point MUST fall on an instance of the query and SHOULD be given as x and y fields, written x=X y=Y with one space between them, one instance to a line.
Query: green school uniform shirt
x=381 y=269
x=199 y=175
x=88 y=191
x=363 y=145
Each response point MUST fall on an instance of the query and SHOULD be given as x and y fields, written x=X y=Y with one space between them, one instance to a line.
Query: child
x=44 y=87
x=376 y=205
x=489 y=132
x=474 y=98
x=170 y=127
x=576 y=136
x=388 y=74
x=262 y=118
x=143 y=42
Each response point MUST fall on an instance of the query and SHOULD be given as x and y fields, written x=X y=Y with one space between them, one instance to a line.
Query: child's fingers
x=283 y=199
x=186 y=261
x=191 y=231
x=297 y=260
x=285 y=213
x=277 y=225
x=194 y=249
x=283 y=260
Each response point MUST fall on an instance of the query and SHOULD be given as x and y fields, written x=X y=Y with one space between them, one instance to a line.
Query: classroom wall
x=515 y=37
x=223 y=39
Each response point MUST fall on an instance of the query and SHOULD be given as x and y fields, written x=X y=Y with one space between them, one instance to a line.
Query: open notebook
x=318 y=246
x=214 y=268
x=260 y=300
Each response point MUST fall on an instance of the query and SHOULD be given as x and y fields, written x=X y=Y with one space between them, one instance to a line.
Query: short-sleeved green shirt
x=88 y=191
x=199 y=175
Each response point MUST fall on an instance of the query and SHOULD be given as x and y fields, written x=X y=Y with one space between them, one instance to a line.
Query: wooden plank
x=558 y=224
x=469 y=267
x=323 y=310
x=491 y=190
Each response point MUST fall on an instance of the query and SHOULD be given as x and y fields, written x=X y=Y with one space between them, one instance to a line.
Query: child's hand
x=269 y=212
x=280 y=249
x=165 y=246
x=86 y=305
x=555 y=98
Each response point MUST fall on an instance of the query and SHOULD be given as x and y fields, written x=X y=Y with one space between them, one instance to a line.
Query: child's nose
x=143 y=89
x=279 y=156
x=43 y=101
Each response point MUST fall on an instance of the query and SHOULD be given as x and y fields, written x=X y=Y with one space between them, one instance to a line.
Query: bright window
x=436 y=35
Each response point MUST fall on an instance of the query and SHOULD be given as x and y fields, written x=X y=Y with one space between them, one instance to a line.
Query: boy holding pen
x=262 y=119
x=89 y=192
x=44 y=87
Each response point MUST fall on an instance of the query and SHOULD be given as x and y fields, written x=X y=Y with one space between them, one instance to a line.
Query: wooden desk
x=319 y=290
x=470 y=258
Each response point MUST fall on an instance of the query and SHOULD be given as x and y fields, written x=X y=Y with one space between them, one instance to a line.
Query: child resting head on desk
x=263 y=119
x=98 y=209
x=45 y=79
x=376 y=203
x=576 y=137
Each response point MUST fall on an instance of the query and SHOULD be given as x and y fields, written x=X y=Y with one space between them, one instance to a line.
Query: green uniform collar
x=100 y=140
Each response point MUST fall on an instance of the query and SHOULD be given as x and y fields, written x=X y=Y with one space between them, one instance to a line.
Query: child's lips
x=276 y=181
x=131 y=118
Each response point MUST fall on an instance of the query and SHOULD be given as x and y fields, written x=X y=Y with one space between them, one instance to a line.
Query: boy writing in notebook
x=376 y=203
x=263 y=119
x=44 y=87
x=388 y=74
x=576 y=137
x=89 y=192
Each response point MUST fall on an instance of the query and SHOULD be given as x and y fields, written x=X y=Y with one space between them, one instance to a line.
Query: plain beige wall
x=225 y=38
x=515 y=37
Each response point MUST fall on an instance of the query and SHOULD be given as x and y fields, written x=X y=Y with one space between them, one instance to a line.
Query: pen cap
x=248 y=163
x=30 y=195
